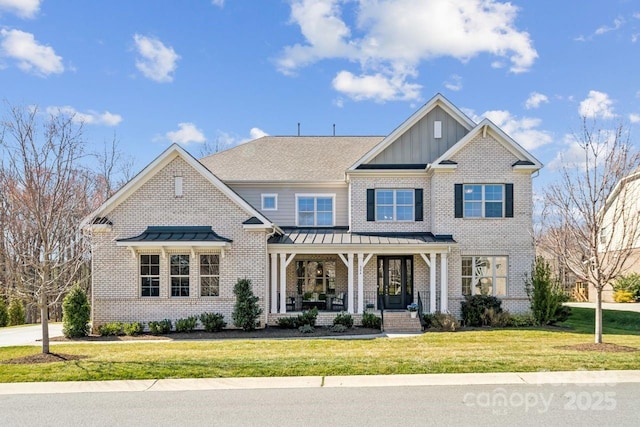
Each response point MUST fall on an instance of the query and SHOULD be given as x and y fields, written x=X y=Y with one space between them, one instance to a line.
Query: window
x=209 y=275
x=150 y=275
x=179 y=275
x=316 y=277
x=269 y=202
x=482 y=275
x=314 y=211
x=483 y=201
x=394 y=205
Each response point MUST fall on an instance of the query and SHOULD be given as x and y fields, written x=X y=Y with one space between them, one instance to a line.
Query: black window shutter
x=371 y=204
x=418 y=204
x=458 y=201
x=508 y=198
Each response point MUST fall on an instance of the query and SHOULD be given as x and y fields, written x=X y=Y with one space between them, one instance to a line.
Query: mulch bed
x=42 y=358
x=602 y=348
x=266 y=333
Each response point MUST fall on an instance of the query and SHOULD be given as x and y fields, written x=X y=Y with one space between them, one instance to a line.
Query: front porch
x=334 y=270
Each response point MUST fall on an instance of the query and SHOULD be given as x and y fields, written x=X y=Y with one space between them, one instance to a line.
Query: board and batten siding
x=285 y=215
x=418 y=145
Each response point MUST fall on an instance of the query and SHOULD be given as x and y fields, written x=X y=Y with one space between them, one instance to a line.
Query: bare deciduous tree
x=591 y=201
x=45 y=196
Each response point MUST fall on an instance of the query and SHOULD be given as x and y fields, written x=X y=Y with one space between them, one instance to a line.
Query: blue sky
x=225 y=71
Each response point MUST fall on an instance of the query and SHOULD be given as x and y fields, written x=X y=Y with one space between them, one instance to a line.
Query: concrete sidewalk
x=534 y=378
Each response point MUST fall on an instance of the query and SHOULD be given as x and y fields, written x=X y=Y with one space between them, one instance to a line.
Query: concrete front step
x=401 y=322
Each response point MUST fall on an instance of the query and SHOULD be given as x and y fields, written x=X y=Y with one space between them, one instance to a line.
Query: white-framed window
x=209 y=275
x=395 y=205
x=484 y=275
x=150 y=275
x=179 y=275
x=483 y=200
x=269 y=202
x=315 y=210
x=316 y=277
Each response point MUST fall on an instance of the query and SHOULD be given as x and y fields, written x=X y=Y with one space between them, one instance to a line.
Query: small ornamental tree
x=545 y=295
x=246 y=310
x=16 y=313
x=4 y=315
x=76 y=314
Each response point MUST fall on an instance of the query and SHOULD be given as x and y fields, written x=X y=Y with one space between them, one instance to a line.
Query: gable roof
x=526 y=161
x=437 y=101
x=171 y=153
x=290 y=158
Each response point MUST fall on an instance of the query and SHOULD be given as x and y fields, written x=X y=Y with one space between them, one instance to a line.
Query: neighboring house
x=438 y=209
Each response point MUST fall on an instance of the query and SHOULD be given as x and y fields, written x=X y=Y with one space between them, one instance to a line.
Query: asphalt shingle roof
x=290 y=158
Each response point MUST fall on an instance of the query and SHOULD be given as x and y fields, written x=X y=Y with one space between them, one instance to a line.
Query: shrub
x=545 y=295
x=339 y=328
x=287 y=322
x=343 y=319
x=306 y=329
x=16 y=313
x=111 y=329
x=246 y=310
x=161 y=327
x=474 y=308
x=629 y=283
x=445 y=322
x=308 y=317
x=500 y=319
x=133 y=329
x=212 y=322
x=522 y=320
x=370 y=320
x=76 y=314
x=186 y=325
x=427 y=319
x=4 y=314
x=623 y=296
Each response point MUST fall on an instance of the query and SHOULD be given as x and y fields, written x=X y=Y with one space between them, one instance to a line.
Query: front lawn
x=613 y=321
x=488 y=350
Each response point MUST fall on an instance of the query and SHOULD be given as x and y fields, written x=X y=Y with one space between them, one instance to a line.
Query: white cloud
x=156 y=61
x=454 y=83
x=31 y=56
x=535 y=99
x=525 y=131
x=187 y=134
x=392 y=38
x=219 y=3
x=573 y=153
x=617 y=23
x=634 y=118
x=90 y=117
x=597 y=104
x=375 y=87
x=256 y=133
x=22 y=8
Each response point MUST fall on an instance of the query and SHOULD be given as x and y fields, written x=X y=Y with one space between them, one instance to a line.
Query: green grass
x=468 y=351
x=614 y=322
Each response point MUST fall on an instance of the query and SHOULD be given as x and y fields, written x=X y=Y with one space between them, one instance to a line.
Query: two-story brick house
x=438 y=209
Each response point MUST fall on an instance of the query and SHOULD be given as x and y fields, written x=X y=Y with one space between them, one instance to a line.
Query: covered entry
x=395 y=281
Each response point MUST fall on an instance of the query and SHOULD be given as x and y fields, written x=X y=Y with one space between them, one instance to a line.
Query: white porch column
x=283 y=283
x=362 y=262
x=432 y=283
x=443 y=284
x=274 y=283
x=350 y=282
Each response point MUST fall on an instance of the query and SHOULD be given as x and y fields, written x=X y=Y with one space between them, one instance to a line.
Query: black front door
x=395 y=281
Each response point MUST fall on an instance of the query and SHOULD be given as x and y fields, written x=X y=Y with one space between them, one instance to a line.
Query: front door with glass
x=395 y=281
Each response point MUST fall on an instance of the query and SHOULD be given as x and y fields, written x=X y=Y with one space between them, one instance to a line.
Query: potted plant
x=413 y=310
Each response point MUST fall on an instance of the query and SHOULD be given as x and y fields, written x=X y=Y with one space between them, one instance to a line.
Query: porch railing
x=381 y=308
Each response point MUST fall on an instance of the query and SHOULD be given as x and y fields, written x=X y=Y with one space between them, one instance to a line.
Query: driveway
x=631 y=306
x=27 y=334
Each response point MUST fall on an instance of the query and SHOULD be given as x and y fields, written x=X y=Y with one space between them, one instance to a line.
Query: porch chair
x=339 y=302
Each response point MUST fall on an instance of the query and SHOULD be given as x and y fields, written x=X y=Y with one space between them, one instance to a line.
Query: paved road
x=633 y=306
x=478 y=405
x=27 y=335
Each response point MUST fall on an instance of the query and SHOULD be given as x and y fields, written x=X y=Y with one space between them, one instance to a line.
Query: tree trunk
x=45 y=323
x=598 y=335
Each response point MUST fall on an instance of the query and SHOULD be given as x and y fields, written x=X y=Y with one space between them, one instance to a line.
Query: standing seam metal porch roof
x=177 y=234
x=342 y=236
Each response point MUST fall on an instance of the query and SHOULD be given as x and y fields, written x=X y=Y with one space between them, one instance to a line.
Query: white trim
x=437 y=129
x=177 y=186
x=171 y=153
x=315 y=196
x=265 y=195
x=444 y=297
x=437 y=100
x=432 y=283
x=274 y=283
